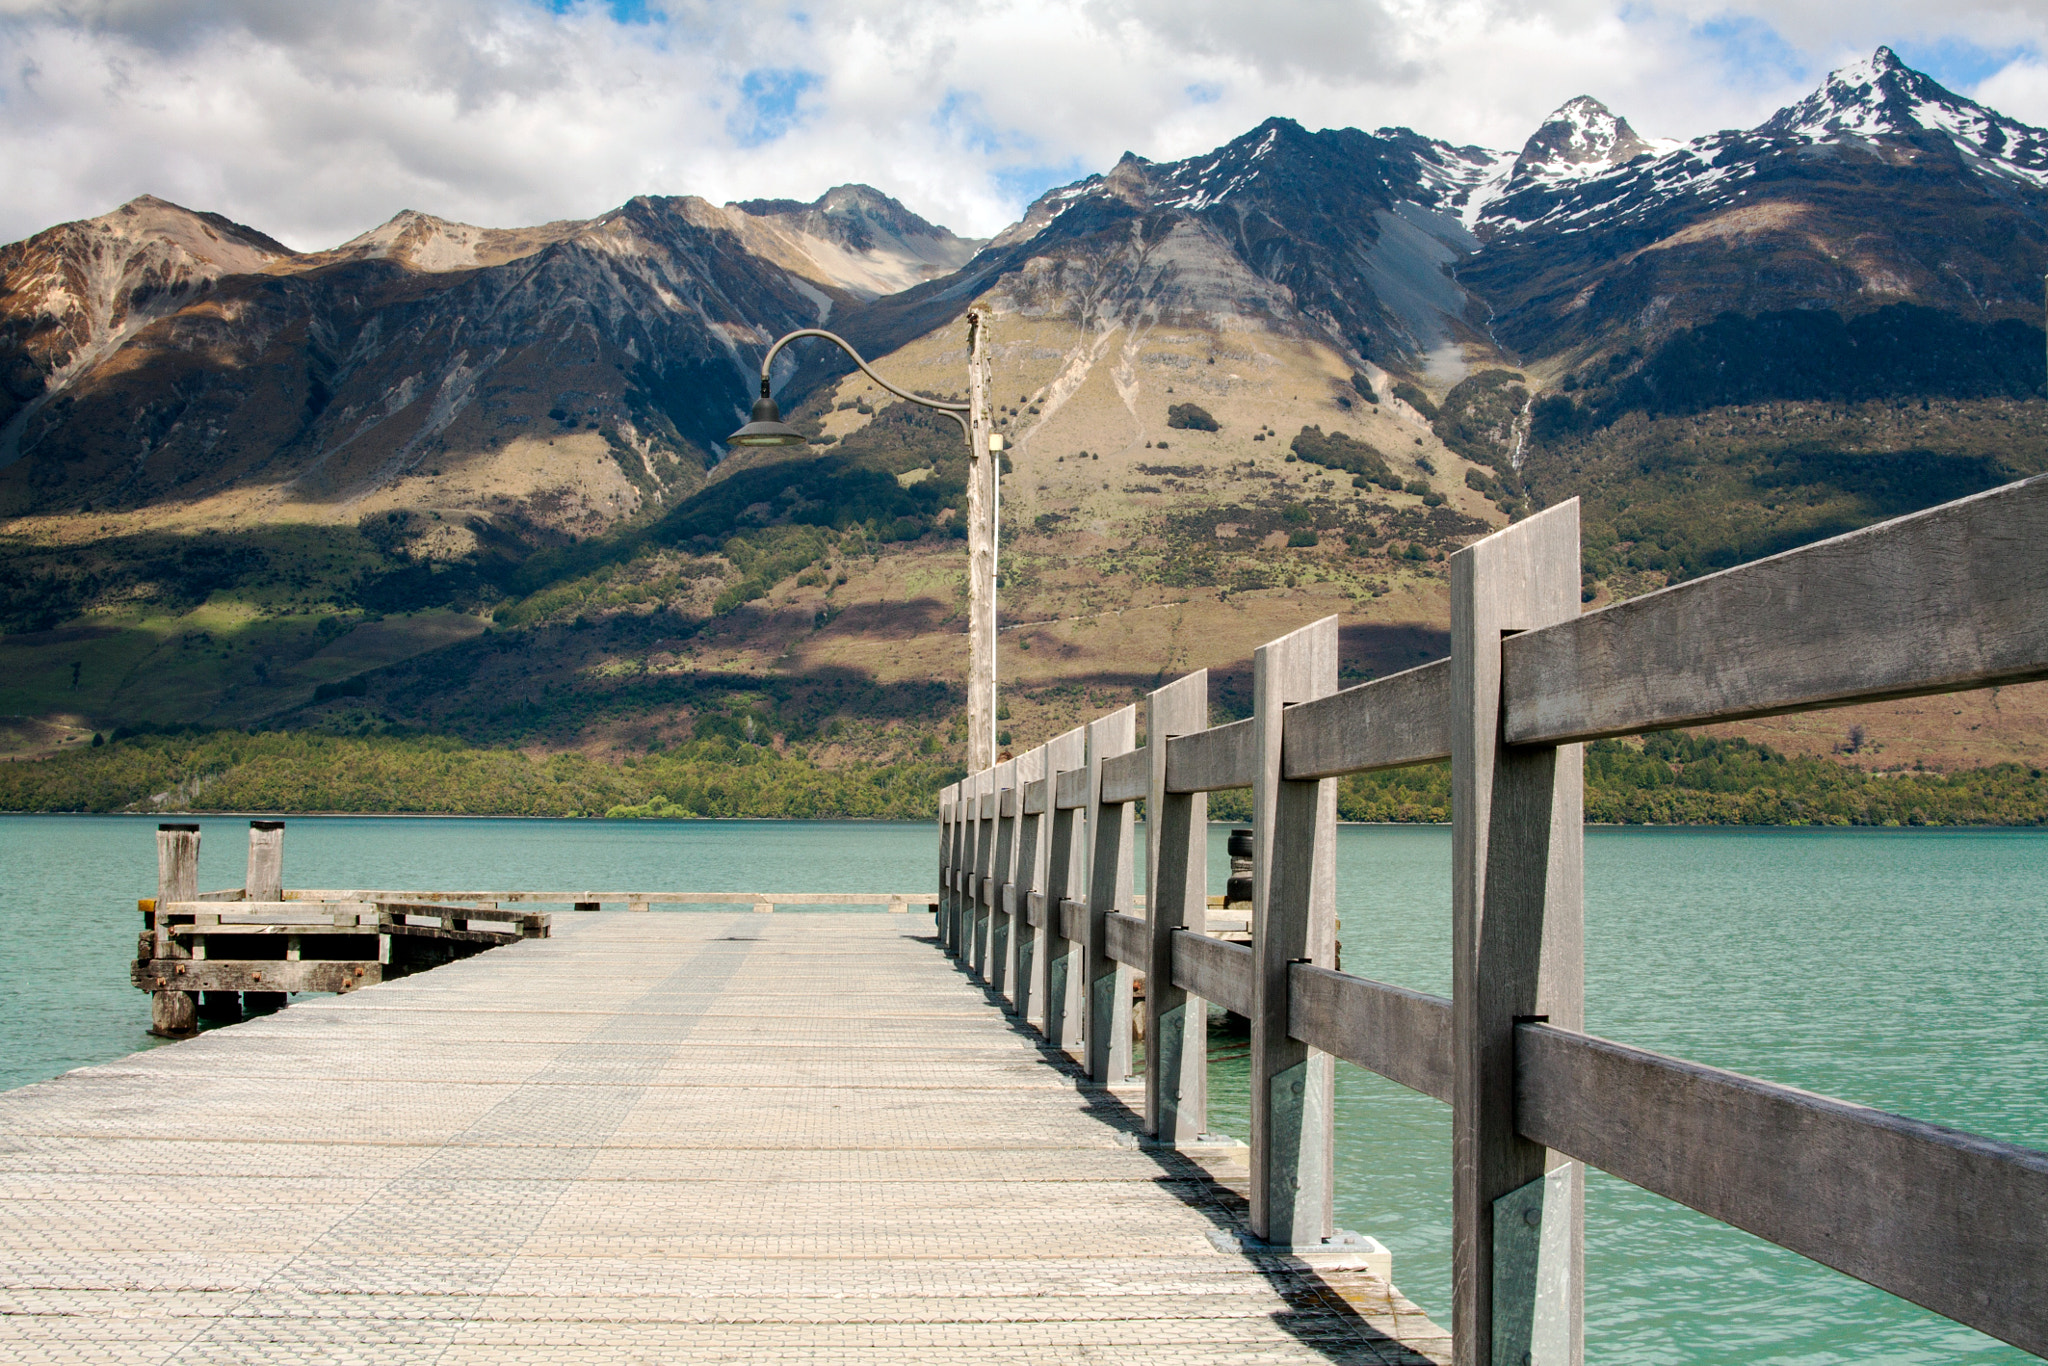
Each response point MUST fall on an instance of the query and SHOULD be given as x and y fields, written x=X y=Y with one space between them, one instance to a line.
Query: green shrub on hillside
x=1340 y=451
x=1188 y=417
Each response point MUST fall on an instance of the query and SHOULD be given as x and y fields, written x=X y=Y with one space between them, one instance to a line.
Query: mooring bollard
x=173 y=1014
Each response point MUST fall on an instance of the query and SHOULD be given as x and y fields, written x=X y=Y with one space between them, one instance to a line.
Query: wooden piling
x=265 y=878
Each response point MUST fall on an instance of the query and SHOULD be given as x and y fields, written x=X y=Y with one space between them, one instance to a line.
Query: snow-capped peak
x=1582 y=137
x=1881 y=96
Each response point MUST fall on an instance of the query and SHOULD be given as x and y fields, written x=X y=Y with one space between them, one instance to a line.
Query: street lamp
x=766 y=428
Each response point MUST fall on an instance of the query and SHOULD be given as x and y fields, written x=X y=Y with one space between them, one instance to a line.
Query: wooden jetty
x=1036 y=857
x=711 y=1137
x=684 y=1137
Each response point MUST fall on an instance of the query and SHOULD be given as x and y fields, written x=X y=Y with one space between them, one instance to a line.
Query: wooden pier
x=672 y=1137
x=1036 y=860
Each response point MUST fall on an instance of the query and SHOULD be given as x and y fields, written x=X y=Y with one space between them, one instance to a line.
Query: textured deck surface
x=669 y=1137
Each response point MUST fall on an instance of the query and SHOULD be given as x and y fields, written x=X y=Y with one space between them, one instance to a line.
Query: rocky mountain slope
x=1280 y=379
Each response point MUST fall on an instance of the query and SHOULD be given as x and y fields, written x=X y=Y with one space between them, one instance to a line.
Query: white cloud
x=316 y=121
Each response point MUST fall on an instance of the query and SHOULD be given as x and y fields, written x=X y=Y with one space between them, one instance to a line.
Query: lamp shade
x=767 y=428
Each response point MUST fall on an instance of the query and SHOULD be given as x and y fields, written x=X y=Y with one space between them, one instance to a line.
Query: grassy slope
x=1124 y=562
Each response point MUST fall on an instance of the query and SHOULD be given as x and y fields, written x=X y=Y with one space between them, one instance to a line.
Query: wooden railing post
x=948 y=817
x=987 y=868
x=973 y=856
x=1004 y=889
x=1035 y=951
x=1517 y=843
x=1058 y=990
x=265 y=878
x=1294 y=850
x=1111 y=829
x=1176 y=897
x=1026 y=856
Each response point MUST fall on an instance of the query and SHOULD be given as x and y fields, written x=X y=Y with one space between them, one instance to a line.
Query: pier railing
x=1036 y=859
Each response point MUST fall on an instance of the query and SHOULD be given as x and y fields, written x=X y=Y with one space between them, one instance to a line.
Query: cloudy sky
x=316 y=119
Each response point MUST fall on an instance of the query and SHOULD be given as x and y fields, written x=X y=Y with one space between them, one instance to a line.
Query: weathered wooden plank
x=221 y=974
x=1403 y=1035
x=1034 y=797
x=1948 y=1220
x=1950 y=598
x=1211 y=760
x=1404 y=718
x=1071 y=793
x=1124 y=938
x=1125 y=777
x=1034 y=910
x=1517 y=880
x=1214 y=969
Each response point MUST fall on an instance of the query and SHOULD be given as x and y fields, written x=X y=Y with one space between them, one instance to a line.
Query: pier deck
x=669 y=1137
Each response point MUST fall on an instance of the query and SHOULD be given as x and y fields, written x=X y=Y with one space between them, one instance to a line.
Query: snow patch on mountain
x=1879 y=105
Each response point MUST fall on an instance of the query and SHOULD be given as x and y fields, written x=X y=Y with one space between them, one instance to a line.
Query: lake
x=1898 y=968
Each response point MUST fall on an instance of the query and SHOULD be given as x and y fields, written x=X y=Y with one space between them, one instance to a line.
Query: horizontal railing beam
x=1072 y=791
x=1214 y=969
x=1124 y=938
x=1211 y=760
x=1125 y=777
x=1391 y=722
x=1952 y=598
x=1403 y=1035
x=1034 y=797
x=1953 y=1222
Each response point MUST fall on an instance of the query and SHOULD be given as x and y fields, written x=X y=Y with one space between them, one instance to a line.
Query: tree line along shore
x=1674 y=778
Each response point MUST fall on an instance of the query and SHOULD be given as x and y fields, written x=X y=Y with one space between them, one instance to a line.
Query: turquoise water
x=1902 y=969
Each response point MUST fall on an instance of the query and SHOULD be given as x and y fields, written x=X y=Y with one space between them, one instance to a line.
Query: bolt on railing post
x=1065 y=874
x=1517 y=944
x=1176 y=896
x=1294 y=833
x=1111 y=830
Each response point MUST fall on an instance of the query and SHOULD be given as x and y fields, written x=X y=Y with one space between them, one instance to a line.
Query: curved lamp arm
x=956 y=410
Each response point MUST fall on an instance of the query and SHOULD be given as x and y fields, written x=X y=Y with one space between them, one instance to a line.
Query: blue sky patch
x=768 y=104
x=1956 y=62
x=1752 y=53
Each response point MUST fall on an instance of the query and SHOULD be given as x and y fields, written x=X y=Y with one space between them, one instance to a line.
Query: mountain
x=559 y=377
x=73 y=295
x=468 y=480
x=1882 y=187
x=853 y=238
